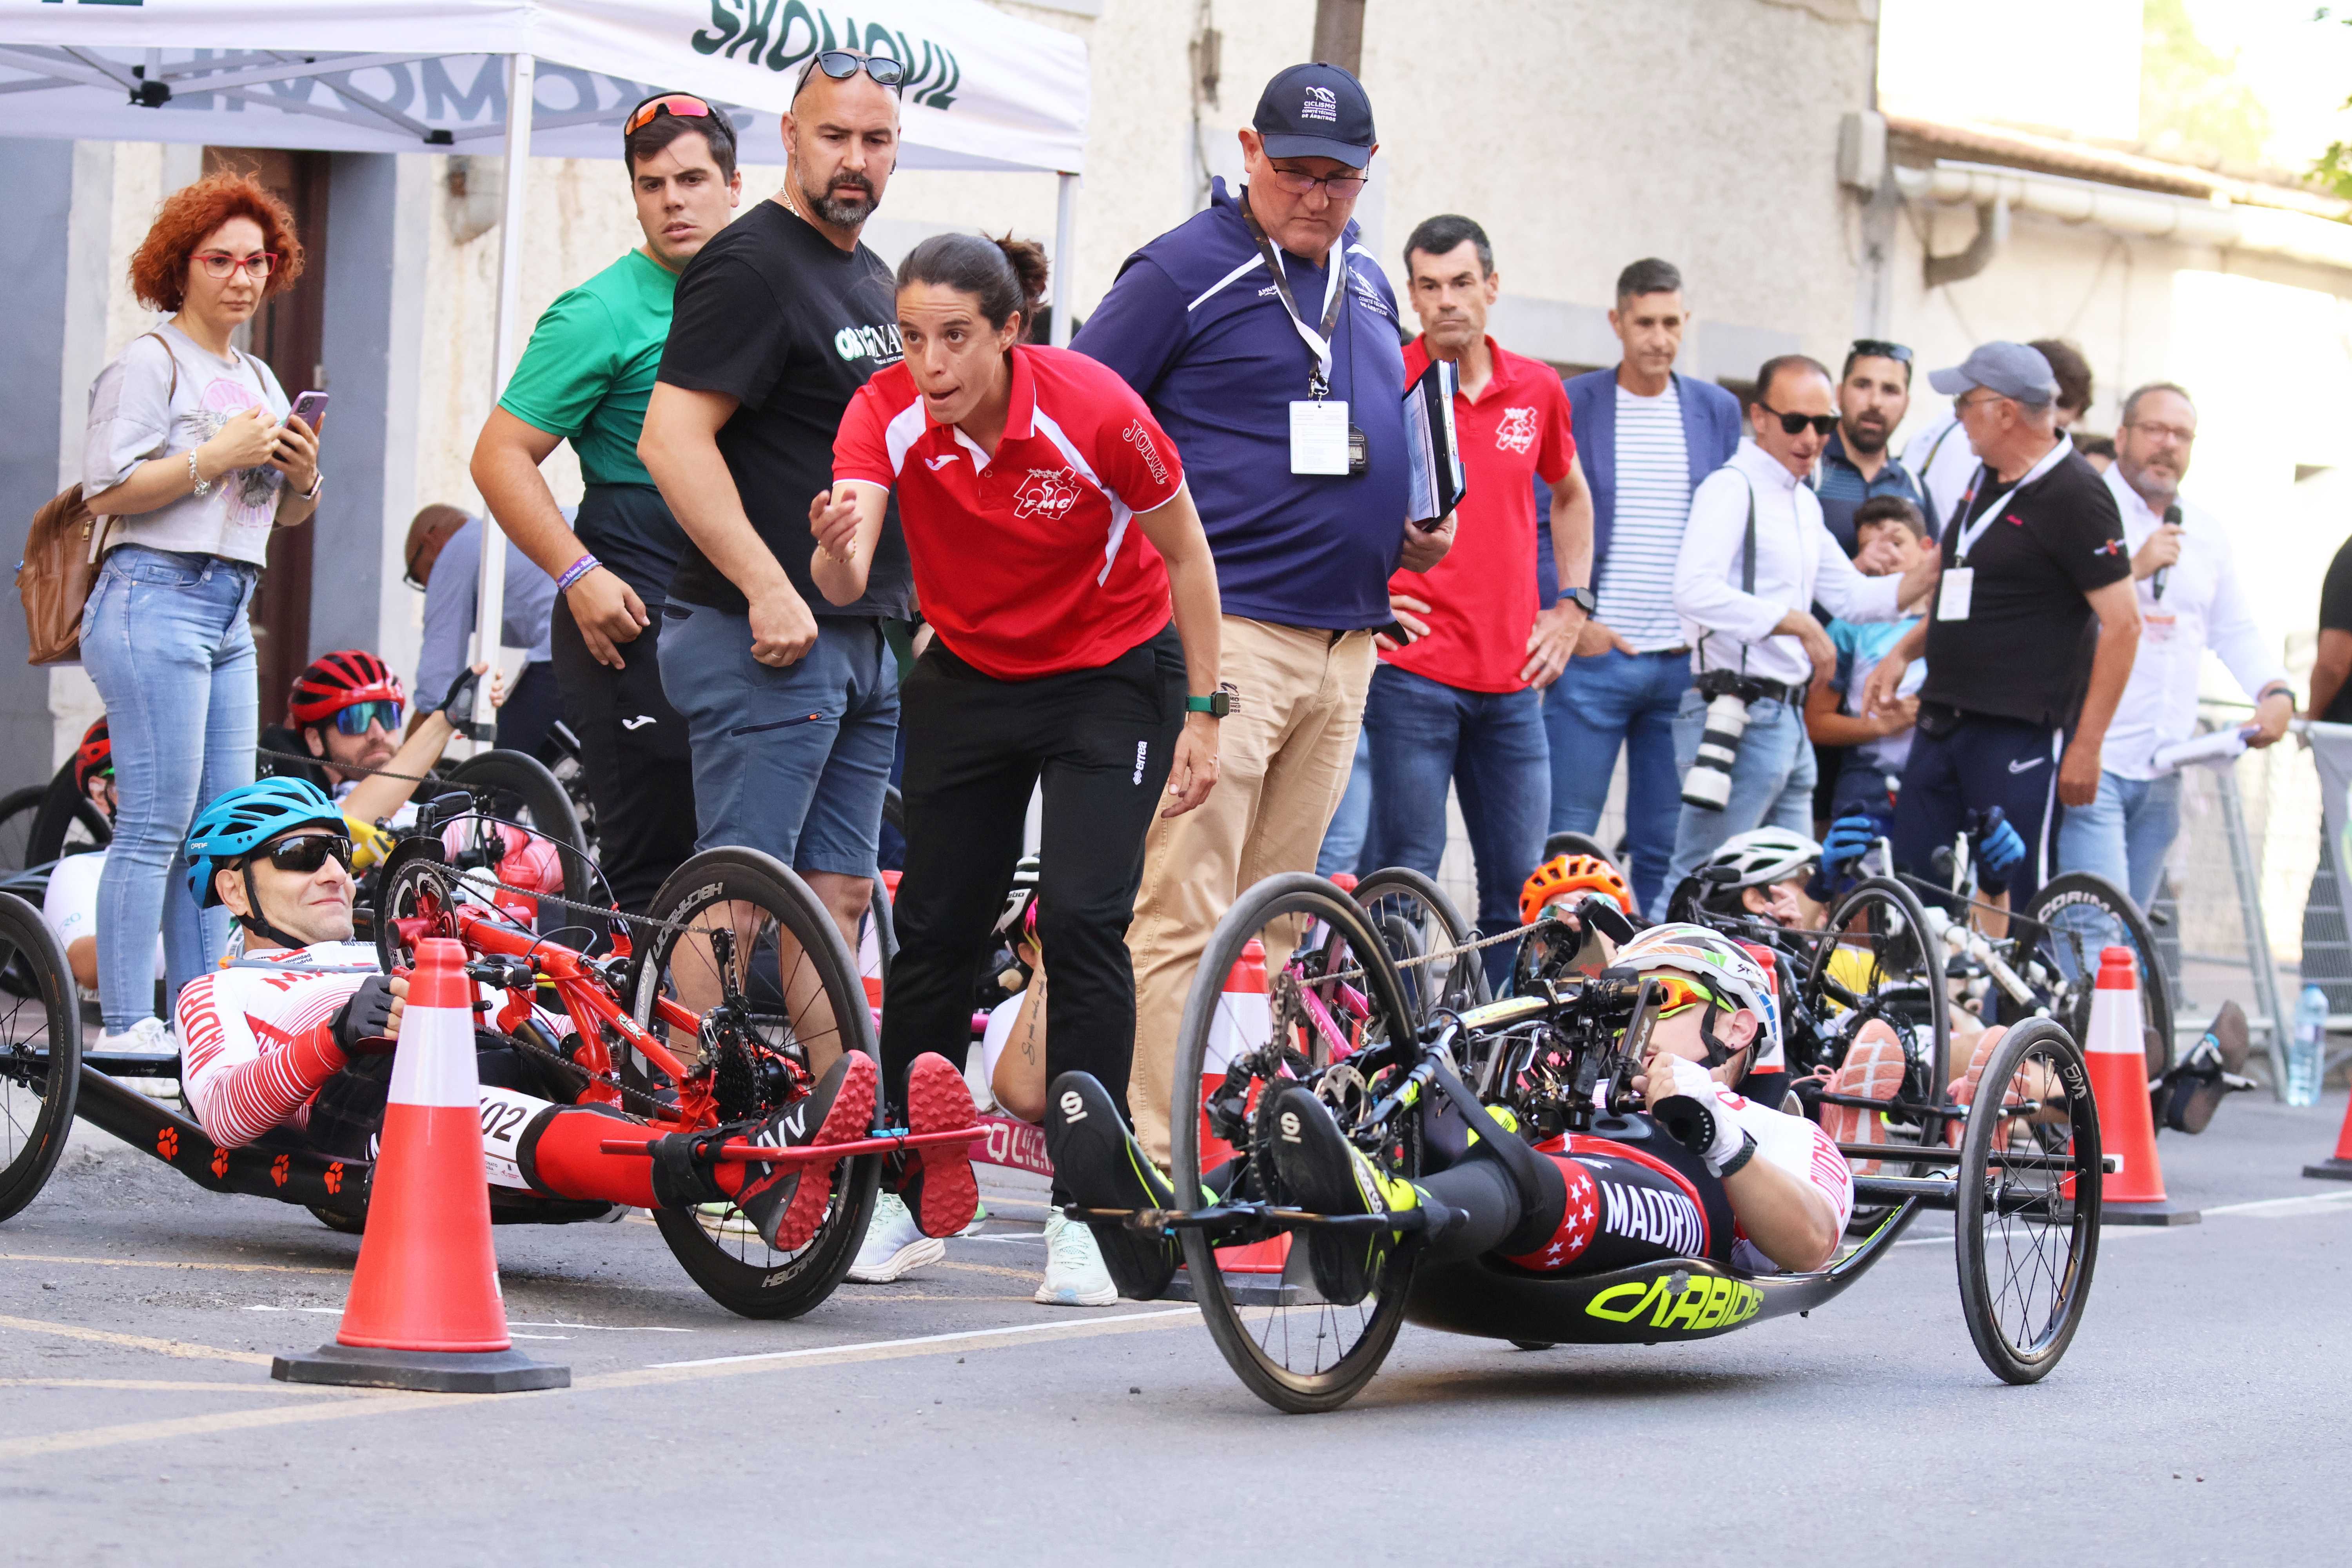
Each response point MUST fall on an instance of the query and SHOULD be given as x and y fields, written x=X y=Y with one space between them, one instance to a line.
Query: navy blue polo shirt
x=1843 y=488
x=1193 y=324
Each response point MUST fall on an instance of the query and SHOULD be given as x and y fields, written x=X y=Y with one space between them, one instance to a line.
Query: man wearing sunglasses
x=348 y=708
x=295 y=1039
x=1873 y=393
x=1755 y=558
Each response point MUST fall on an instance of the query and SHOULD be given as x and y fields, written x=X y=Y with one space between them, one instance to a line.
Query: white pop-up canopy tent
x=984 y=91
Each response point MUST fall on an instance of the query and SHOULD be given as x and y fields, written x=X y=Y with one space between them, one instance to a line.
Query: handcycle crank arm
x=736 y=1151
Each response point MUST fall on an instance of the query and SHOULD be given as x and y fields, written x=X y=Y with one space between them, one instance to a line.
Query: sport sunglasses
x=305 y=852
x=1790 y=424
x=1677 y=992
x=354 y=719
x=678 y=106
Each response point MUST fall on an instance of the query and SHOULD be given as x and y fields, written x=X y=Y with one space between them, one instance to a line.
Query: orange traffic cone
x=2338 y=1166
x=424 y=1310
x=2117 y=1053
x=1244 y=1020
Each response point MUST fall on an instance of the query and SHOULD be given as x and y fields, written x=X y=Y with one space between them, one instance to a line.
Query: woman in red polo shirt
x=1052 y=535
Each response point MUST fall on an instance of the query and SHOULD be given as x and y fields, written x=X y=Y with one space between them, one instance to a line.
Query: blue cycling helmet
x=241 y=820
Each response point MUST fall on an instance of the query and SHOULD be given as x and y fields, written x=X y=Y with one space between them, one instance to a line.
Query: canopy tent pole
x=491 y=579
x=1066 y=223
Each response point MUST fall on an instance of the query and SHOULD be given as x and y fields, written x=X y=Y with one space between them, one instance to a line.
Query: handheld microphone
x=2172 y=519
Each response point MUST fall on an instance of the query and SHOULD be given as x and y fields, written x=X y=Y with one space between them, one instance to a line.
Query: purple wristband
x=573 y=573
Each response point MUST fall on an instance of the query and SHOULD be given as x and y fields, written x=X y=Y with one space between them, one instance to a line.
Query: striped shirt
x=1637 y=587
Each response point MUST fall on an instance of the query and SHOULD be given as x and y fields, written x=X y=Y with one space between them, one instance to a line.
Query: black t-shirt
x=2024 y=652
x=778 y=318
x=2335 y=616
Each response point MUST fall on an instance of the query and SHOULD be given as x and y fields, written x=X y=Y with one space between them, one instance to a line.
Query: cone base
x=423 y=1372
x=2331 y=1170
x=2113 y=1211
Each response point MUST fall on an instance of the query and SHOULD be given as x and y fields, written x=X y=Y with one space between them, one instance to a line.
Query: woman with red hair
x=191 y=456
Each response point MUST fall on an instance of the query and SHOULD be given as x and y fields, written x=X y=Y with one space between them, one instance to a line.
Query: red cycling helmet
x=94 y=756
x=339 y=680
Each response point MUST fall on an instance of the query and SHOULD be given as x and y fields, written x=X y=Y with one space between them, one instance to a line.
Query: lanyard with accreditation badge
x=1959 y=580
x=1320 y=440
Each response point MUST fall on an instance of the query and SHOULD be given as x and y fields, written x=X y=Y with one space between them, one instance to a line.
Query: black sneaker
x=786 y=1203
x=2212 y=1069
x=1101 y=1166
x=1325 y=1174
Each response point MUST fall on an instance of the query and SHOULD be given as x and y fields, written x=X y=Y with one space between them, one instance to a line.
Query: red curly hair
x=159 y=273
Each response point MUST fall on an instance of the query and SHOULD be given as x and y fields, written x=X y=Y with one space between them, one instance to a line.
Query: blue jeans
x=1597 y=705
x=1343 y=841
x=2125 y=833
x=165 y=639
x=1771 y=784
x=792 y=761
x=1491 y=748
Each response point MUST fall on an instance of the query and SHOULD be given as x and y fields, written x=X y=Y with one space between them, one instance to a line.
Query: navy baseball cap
x=2013 y=370
x=1315 y=111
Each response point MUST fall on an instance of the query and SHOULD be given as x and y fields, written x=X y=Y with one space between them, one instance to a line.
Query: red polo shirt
x=1481 y=597
x=1027 y=563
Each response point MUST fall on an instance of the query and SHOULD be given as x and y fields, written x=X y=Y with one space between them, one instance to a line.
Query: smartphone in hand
x=311 y=409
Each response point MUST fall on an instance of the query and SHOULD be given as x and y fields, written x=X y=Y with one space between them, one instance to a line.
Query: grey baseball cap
x=2013 y=370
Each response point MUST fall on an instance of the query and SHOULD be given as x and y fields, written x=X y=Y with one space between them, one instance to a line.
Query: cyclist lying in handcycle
x=1735 y=1181
x=294 y=1041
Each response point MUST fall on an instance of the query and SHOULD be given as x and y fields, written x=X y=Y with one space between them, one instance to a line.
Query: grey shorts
x=792 y=761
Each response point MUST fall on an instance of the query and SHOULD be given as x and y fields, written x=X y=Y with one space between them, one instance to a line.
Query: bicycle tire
x=881 y=925
x=40 y=1055
x=1989 y=1277
x=1934 y=1068
x=64 y=808
x=544 y=806
x=2089 y=890
x=748 y=1279
x=18 y=810
x=1466 y=982
x=1293 y=896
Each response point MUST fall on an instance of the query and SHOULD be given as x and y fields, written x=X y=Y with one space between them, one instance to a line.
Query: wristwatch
x=1582 y=599
x=1216 y=704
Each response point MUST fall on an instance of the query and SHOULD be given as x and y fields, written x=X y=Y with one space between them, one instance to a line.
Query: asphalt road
x=2200 y=1417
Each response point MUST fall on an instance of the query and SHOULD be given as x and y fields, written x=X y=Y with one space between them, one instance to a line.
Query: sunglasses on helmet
x=354 y=719
x=304 y=853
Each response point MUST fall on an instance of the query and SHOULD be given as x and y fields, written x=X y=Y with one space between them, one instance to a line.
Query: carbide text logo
x=1695 y=1304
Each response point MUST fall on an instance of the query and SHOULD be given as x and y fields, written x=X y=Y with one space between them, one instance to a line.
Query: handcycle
x=2023 y=1183
x=709 y=1020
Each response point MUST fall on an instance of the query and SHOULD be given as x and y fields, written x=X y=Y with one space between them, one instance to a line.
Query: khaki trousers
x=1283 y=754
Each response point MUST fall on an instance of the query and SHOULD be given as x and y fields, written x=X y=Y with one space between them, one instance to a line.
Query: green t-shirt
x=591 y=363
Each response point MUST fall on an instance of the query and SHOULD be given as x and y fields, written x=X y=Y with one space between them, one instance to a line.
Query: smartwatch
x=1216 y=704
x=1582 y=599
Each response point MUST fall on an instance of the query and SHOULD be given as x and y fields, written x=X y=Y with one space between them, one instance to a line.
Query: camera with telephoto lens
x=1707 y=785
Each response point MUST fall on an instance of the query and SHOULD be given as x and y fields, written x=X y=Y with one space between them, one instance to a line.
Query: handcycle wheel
x=878 y=941
x=40 y=1053
x=2028 y=1239
x=525 y=794
x=1879 y=947
x=344 y=1223
x=1414 y=919
x=2066 y=923
x=735 y=930
x=1301 y=1354
x=18 y=807
x=66 y=823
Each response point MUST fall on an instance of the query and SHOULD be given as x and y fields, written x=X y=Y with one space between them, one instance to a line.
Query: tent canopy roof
x=984 y=91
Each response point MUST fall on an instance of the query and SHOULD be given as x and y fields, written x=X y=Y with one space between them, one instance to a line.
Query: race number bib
x=505 y=1114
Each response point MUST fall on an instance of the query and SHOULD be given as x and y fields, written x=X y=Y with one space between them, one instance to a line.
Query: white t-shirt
x=1943 y=462
x=69 y=904
x=138 y=410
x=1635 y=591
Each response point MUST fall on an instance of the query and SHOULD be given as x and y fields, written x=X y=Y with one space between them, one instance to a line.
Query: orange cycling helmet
x=339 y=680
x=1571 y=874
x=94 y=756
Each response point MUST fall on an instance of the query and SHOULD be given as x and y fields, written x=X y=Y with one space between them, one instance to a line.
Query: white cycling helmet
x=1764 y=855
x=1727 y=967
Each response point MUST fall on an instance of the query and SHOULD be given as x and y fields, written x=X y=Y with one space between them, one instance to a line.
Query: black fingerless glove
x=363 y=1027
x=457 y=704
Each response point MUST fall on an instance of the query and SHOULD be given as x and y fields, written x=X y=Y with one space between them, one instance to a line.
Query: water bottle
x=2308 y=1051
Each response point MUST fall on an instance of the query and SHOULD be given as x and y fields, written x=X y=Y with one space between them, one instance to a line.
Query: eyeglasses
x=1300 y=183
x=303 y=854
x=354 y=719
x=842 y=64
x=1970 y=400
x=1793 y=424
x=2182 y=435
x=220 y=263
x=1879 y=348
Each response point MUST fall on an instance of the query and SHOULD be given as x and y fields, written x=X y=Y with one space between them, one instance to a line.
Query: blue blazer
x=1710 y=434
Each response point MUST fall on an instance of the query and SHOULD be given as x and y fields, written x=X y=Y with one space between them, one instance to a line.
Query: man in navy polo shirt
x=1873 y=393
x=1265 y=338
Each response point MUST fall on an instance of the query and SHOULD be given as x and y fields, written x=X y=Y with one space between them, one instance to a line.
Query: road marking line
x=159 y=1263
x=180 y=1348
x=2285 y=1208
x=989 y=1268
x=511 y=1322
x=886 y=1350
x=361 y=1404
x=167 y=1385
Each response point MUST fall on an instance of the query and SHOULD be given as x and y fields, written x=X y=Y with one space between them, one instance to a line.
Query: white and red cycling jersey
x=258 y=1037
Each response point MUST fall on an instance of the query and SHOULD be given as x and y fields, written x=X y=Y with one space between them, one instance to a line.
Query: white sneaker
x=894 y=1246
x=149 y=1036
x=1074 y=1275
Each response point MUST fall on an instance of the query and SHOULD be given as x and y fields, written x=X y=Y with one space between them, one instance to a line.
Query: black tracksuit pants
x=633 y=753
x=1101 y=741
